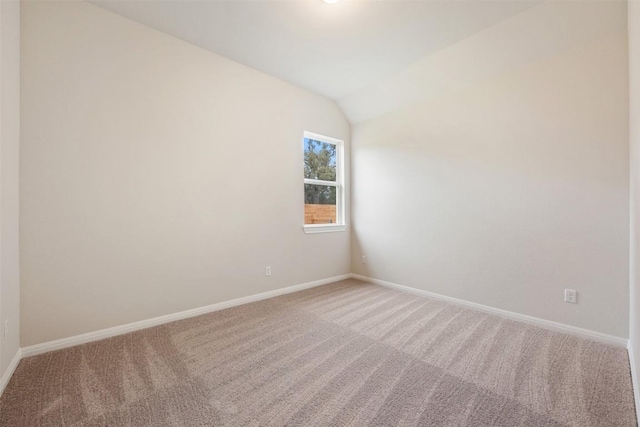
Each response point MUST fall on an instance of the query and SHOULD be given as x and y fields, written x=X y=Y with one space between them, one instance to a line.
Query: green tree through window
x=320 y=164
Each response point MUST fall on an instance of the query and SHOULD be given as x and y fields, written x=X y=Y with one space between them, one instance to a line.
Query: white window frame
x=340 y=224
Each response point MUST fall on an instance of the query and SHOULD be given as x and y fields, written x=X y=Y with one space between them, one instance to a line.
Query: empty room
x=319 y=213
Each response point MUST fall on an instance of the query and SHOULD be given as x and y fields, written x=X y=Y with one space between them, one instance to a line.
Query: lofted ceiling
x=331 y=49
x=376 y=56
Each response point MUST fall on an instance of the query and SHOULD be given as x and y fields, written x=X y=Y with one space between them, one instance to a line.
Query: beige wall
x=9 y=151
x=141 y=155
x=507 y=191
x=634 y=137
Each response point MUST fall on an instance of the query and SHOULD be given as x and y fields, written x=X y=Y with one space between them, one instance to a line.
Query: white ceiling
x=331 y=49
x=541 y=32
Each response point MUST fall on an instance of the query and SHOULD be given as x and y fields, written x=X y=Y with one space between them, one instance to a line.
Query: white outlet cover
x=571 y=296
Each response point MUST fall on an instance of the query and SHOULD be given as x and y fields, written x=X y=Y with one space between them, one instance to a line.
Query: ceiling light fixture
x=330 y=1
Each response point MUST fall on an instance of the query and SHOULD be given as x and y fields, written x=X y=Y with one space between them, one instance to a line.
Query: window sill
x=333 y=228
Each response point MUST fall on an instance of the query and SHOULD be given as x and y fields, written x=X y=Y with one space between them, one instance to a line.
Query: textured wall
x=634 y=137
x=143 y=159
x=9 y=162
x=507 y=191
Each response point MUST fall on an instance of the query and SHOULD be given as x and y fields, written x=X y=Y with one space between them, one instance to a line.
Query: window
x=323 y=184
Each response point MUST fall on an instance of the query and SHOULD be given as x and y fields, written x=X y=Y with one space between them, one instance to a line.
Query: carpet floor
x=347 y=353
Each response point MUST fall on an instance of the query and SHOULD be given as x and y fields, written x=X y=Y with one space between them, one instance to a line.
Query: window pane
x=319 y=160
x=320 y=204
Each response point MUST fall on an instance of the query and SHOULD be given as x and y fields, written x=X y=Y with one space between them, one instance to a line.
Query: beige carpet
x=348 y=353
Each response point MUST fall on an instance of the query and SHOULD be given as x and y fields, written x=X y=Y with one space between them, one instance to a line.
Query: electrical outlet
x=6 y=330
x=364 y=259
x=571 y=296
x=267 y=270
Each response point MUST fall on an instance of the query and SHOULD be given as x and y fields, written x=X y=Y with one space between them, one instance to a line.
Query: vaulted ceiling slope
x=331 y=49
x=373 y=57
x=548 y=29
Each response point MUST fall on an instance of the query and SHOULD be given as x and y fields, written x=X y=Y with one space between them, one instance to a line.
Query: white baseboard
x=36 y=349
x=634 y=379
x=143 y=324
x=10 y=370
x=546 y=324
